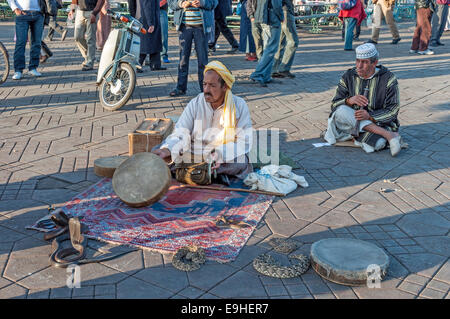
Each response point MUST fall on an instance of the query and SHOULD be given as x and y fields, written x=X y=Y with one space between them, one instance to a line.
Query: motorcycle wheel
x=116 y=94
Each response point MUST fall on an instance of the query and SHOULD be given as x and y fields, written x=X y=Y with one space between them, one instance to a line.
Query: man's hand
x=18 y=12
x=151 y=29
x=70 y=15
x=362 y=115
x=164 y=153
x=196 y=3
x=186 y=4
x=359 y=100
x=93 y=18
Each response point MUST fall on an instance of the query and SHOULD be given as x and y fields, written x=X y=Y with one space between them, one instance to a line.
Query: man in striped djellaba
x=366 y=104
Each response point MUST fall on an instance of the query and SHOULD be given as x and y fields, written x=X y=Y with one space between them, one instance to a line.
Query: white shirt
x=199 y=130
x=28 y=5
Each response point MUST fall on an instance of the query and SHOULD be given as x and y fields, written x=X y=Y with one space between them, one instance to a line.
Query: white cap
x=366 y=51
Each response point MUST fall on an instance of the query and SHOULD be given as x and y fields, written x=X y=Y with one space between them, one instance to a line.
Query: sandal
x=177 y=92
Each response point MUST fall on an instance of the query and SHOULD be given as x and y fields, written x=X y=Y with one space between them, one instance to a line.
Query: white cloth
x=27 y=5
x=200 y=130
x=274 y=178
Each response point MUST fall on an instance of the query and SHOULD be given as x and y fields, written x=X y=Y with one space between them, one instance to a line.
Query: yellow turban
x=229 y=109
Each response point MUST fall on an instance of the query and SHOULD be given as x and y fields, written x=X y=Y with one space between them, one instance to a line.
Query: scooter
x=116 y=76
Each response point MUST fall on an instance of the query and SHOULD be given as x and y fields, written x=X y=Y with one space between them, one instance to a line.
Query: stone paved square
x=53 y=129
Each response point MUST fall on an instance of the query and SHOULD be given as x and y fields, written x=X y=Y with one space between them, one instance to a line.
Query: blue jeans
x=350 y=24
x=33 y=21
x=288 y=44
x=164 y=32
x=186 y=36
x=271 y=38
x=246 y=41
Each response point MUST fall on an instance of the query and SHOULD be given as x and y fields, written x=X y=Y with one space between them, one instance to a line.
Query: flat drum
x=349 y=261
x=141 y=180
x=106 y=166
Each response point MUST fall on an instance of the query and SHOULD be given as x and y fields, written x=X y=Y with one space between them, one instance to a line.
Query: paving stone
x=87 y=291
x=444 y=273
x=433 y=294
x=38 y=294
x=138 y=289
x=62 y=292
x=411 y=287
x=168 y=277
x=240 y=285
x=297 y=289
x=417 y=279
x=436 y=244
x=425 y=224
x=13 y=291
x=209 y=275
x=273 y=291
x=100 y=290
x=438 y=285
x=191 y=292
x=423 y=264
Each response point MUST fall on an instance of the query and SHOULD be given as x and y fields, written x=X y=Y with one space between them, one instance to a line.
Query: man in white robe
x=214 y=126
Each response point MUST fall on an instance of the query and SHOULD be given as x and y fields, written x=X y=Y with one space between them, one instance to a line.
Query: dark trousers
x=422 y=34
x=221 y=26
x=155 y=59
x=187 y=34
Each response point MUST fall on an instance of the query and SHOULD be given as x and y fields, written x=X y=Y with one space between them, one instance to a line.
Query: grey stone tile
x=308 y=296
x=38 y=294
x=424 y=224
x=87 y=291
x=436 y=244
x=297 y=289
x=63 y=292
x=433 y=294
x=411 y=287
x=273 y=291
x=170 y=278
x=137 y=289
x=100 y=290
x=423 y=264
x=13 y=291
x=209 y=275
x=105 y=297
x=191 y=292
x=240 y=284
x=439 y=285
x=444 y=273
x=417 y=279
x=324 y=296
x=366 y=293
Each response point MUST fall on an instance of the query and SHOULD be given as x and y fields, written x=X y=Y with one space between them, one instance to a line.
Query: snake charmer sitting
x=214 y=126
x=373 y=113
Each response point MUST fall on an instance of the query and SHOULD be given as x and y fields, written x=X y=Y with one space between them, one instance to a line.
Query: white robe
x=200 y=130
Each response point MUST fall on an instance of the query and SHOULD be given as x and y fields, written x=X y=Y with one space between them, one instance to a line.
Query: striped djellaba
x=384 y=99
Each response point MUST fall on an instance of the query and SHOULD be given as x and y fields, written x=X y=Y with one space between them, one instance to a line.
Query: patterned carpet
x=184 y=216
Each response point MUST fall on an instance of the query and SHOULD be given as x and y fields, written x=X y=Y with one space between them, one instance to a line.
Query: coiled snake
x=189 y=258
x=269 y=266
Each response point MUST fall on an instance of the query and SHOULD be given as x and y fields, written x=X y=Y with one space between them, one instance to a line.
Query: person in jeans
x=256 y=28
x=86 y=29
x=28 y=17
x=288 y=44
x=438 y=22
x=246 y=42
x=54 y=26
x=269 y=15
x=422 y=33
x=221 y=12
x=194 y=22
x=351 y=17
x=163 y=7
x=384 y=8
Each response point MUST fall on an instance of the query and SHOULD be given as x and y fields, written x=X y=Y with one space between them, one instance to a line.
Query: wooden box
x=148 y=134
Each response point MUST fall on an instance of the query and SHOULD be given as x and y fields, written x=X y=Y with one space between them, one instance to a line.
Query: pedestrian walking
x=163 y=8
x=54 y=26
x=384 y=9
x=103 y=26
x=352 y=14
x=267 y=16
x=194 y=22
x=29 y=16
x=246 y=42
x=288 y=43
x=422 y=33
x=221 y=12
x=438 y=22
x=86 y=12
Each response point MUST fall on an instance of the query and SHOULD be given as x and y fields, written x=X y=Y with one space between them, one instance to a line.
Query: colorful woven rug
x=184 y=216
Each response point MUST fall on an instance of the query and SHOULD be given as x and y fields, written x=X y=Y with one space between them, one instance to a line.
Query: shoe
x=395 y=145
x=34 y=72
x=426 y=52
x=287 y=74
x=440 y=43
x=86 y=68
x=233 y=50
x=261 y=84
x=64 y=34
x=349 y=50
x=139 y=68
x=177 y=92
x=356 y=39
x=252 y=58
x=277 y=75
x=43 y=58
x=17 y=76
x=371 y=41
x=166 y=60
x=413 y=51
x=157 y=68
x=395 y=41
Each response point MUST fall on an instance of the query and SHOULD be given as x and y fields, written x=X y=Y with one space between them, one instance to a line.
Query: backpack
x=346 y=4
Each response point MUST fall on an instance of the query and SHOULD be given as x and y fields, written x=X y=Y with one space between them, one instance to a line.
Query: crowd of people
x=268 y=33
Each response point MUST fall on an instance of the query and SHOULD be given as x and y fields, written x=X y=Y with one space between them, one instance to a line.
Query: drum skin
x=141 y=180
x=106 y=166
x=347 y=261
